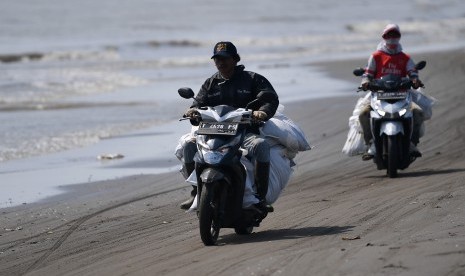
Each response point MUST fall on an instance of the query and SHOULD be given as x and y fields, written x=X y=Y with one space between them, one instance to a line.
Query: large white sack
x=285 y=132
x=280 y=173
x=355 y=145
x=361 y=104
x=425 y=102
x=179 y=150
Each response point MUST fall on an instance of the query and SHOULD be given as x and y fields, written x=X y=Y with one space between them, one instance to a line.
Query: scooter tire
x=208 y=231
x=393 y=156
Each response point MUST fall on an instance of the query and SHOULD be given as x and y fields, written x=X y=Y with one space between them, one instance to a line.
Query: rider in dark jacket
x=237 y=91
x=233 y=86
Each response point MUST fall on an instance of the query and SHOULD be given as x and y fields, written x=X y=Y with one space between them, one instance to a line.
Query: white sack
x=284 y=131
x=425 y=102
x=280 y=173
x=179 y=150
x=355 y=145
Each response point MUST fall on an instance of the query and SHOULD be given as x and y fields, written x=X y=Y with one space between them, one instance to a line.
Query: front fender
x=391 y=128
x=210 y=175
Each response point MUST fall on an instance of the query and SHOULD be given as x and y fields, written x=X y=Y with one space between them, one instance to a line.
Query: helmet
x=391 y=28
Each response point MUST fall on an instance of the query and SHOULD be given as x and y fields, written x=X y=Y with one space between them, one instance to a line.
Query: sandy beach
x=337 y=216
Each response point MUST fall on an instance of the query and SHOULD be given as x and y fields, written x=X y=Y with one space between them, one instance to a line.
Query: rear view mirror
x=420 y=65
x=186 y=92
x=359 y=71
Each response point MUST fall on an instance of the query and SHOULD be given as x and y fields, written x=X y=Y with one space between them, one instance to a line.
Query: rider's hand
x=416 y=83
x=191 y=113
x=259 y=115
x=365 y=86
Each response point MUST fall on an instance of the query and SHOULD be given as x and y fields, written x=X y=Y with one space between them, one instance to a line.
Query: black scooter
x=220 y=175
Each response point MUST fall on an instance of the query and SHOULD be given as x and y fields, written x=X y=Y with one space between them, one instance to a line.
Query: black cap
x=224 y=49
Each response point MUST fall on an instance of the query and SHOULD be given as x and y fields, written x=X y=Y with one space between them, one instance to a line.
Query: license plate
x=392 y=95
x=207 y=128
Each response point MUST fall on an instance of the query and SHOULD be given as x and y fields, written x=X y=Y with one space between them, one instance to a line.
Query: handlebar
x=377 y=85
x=195 y=120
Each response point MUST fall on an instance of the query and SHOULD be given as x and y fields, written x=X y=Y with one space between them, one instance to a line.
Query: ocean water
x=76 y=73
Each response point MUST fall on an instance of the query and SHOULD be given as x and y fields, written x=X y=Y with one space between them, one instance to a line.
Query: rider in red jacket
x=389 y=59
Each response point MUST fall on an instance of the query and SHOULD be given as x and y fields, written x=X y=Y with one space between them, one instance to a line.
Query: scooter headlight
x=378 y=108
x=381 y=112
x=214 y=156
x=402 y=112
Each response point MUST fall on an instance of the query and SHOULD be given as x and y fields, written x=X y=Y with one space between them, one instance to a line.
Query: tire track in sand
x=78 y=222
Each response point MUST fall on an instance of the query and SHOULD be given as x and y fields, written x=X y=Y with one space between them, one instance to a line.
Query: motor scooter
x=391 y=120
x=220 y=175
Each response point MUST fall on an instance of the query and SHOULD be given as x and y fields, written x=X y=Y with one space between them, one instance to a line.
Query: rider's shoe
x=254 y=208
x=261 y=205
x=414 y=152
x=188 y=203
x=264 y=207
x=261 y=208
x=370 y=153
x=260 y=211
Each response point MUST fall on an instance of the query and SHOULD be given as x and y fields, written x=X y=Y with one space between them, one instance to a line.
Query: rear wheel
x=209 y=232
x=393 y=156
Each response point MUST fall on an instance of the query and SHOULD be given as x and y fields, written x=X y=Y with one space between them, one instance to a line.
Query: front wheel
x=393 y=156
x=209 y=232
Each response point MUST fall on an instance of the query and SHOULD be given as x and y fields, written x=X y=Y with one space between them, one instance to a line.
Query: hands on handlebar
x=259 y=115
x=365 y=86
x=417 y=83
x=191 y=113
x=376 y=85
x=369 y=85
x=257 y=119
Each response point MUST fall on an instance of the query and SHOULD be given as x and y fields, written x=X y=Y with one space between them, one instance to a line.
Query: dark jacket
x=238 y=91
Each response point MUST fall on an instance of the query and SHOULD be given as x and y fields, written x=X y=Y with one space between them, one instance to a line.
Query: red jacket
x=390 y=64
x=382 y=62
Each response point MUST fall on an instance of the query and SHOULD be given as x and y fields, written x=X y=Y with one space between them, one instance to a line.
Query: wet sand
x=338 y=215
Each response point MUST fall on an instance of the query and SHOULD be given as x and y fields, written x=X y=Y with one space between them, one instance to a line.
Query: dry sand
x=338 y=215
